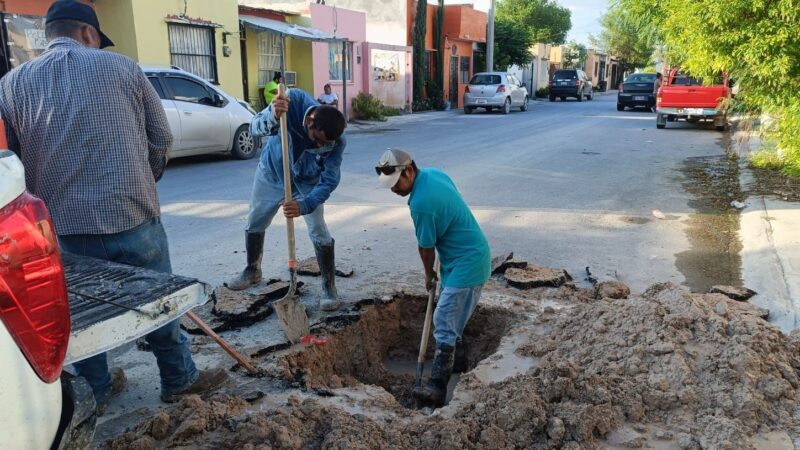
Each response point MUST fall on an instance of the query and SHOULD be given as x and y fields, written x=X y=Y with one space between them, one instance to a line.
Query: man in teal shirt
x=443 y=224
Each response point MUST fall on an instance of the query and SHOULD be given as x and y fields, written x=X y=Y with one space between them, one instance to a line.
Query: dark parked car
x=637 y=90
x=570 y=83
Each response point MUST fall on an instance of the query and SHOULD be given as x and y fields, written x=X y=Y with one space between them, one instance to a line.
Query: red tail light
x=501 y=88
x=33 y=293
x=621 y=87
x=466 y=89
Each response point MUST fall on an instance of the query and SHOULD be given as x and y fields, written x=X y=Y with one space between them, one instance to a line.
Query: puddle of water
x=713 y=230
x=505 y=363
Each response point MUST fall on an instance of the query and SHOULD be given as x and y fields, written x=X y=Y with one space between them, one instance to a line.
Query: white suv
x=202 y=117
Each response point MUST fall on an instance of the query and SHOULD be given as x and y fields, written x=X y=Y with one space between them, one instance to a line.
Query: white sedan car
x=203 y=118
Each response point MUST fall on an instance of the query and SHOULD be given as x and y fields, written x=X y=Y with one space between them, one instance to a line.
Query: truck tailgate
x=691 y=96
x=111 y=304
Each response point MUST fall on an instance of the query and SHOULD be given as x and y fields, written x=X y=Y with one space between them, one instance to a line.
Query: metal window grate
x=269 y=56
x=192 y=48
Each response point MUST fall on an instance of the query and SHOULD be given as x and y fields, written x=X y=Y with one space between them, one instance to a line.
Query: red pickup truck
x=683 y=97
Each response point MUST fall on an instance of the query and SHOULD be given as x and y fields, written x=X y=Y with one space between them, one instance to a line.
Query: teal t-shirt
x=443 y=220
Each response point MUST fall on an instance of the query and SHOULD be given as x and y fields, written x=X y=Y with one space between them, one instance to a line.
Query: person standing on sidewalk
x=443 y=224
x=93 y=137
x=316 y=145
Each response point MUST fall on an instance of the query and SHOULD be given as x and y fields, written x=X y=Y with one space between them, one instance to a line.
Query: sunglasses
x=388 y=170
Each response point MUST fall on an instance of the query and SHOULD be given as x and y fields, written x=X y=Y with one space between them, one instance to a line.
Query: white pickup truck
x=57 y=309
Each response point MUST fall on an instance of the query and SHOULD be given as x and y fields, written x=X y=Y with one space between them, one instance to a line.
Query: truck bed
x=111 y=304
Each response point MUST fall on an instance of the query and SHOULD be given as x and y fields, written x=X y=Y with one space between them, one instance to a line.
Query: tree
x=755 y=42
x=418 y=44
x=512 y=43
x=438 y=25
x=622 y=37
x=575 y=55
x=546 y=21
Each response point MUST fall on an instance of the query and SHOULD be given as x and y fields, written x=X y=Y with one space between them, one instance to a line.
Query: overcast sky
x=585 y=16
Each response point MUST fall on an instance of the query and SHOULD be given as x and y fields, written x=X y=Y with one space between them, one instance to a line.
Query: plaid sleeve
x=159 y=134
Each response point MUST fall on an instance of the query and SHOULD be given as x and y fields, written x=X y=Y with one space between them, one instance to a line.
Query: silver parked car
x=203 y=118
x=495 y=90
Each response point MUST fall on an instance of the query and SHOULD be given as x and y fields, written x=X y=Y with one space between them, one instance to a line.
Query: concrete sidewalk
x=771 y=256
x=374 y=126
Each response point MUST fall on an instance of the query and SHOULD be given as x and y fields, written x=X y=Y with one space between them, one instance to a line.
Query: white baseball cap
x=391 y=166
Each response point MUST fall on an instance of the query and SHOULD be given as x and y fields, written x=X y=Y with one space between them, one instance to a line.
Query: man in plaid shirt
x=93 y=137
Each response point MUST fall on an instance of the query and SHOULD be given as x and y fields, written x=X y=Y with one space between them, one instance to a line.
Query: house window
x=430 y=64
x=336 y=63
x=192 y=48
x=463 y=72
x=269 y=56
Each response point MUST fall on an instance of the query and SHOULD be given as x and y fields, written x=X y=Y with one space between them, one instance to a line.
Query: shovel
x=291 y=313
x=426 y=333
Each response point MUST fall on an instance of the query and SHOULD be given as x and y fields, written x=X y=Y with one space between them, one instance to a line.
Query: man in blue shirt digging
x=444 y=224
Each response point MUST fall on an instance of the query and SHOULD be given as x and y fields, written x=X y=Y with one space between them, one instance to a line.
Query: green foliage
x=767 y=158
x=542 y=92
x=418 y=43
x=756 y=42
x=370 y=108
x=575 y=55
x=624 y=37
x=422 y=104
x=435 y=95
x=512 y=42
x=438 y=25
x=546 y=21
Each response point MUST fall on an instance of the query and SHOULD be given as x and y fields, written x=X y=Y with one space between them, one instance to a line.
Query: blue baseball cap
x=81 y=12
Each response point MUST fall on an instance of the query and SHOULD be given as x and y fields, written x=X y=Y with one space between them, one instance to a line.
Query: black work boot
x=435 y=392
x=254 y=243
x=327 y=270
x=460 y=359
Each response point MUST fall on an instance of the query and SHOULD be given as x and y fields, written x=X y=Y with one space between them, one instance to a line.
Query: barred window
x=464 y=70
x=192 y=48
x=269 y=56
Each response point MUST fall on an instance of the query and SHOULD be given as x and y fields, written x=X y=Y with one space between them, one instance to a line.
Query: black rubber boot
x=254 y=244
x=435 y=392
x=460 y=359
x=327 y=270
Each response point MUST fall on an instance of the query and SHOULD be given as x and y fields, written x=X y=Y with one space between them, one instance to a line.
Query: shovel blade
x=292 y=318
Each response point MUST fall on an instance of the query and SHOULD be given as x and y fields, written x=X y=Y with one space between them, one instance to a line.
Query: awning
x=289 y=29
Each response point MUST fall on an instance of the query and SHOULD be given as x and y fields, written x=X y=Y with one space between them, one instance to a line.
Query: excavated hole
x=381 y=348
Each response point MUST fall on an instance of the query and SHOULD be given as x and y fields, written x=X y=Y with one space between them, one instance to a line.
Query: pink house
x=327 y=57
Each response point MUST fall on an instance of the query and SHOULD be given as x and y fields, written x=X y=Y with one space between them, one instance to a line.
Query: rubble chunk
x=611 y=289
x=310 y=267
x=741 y=294
x=534 y=276
x=502 y=263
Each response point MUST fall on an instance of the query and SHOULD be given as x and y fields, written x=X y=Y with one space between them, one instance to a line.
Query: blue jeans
x=143 y=246
x=453 y=311
x=266 y=200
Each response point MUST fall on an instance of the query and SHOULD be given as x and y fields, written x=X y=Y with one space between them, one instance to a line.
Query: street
x=565 y=184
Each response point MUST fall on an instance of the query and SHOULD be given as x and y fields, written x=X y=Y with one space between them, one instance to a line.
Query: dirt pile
x=666 y=369
x=708 y=369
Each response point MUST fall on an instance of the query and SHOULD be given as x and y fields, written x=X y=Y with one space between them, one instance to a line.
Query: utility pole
x=490 y=40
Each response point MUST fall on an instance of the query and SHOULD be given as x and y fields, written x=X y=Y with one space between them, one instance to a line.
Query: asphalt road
x=565 y=184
